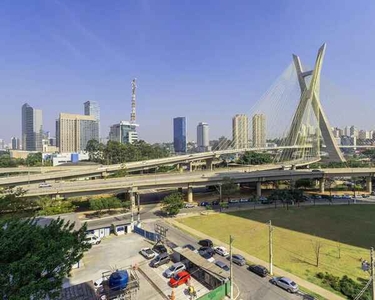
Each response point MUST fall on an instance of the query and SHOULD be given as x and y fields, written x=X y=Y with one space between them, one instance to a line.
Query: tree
x=13 y=200
x=255 y=158
x=51 y=206
x=304 y=183
x=34 y=159
x=173 y=203
x=95 y=150
x=35 y=259
x=229 y=187
x=317 y=247
x=108 y=203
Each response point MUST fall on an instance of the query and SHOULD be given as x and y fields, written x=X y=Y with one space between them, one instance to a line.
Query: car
x=191 y=247
x=244 y=200
x=221 y=251
x=238 y=259
x=285 y=283
x=45 y=185
x=92 y=239
x=180 y=278
x=222 y=265
x=189 y=205
x=207 y=255
x=233 y=201
x=160 y=259
x=265 y=201
x=206 y=243
x=204 y=203
x=259 y=270
x=347 y=197
x=308 y=297
x=316 y=171
x=174 y=269
x=215 y=202
x=365 y=196
x=98 y=283
x=147 y=253
x=160 y=249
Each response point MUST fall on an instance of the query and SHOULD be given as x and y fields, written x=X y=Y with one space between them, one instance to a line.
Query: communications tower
x=132 y=114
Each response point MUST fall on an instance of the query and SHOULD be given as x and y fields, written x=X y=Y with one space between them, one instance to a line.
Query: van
x=92 y=239
x=159 y=260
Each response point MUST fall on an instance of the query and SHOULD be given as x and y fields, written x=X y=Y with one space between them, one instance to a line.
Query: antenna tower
x=132 y=114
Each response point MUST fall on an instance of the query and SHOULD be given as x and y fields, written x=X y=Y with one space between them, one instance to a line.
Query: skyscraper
x=32 y=128
x=74 y=131
x=240 y=131
x=92 y=109
x=124 y=132
x=203 y=140
x=259 y=131
x=15 y=143
x=179 y=134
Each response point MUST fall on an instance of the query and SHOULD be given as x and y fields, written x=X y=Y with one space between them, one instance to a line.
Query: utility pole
x=372 y=274
x=231 y=266
x=270 y=247
x=139 y=208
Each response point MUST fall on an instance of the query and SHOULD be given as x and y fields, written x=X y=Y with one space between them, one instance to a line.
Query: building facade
x=259 y=131
x=203 y=140
x=124 y=132
x=179 y=134
x=32 y=128
x=91 y=108
x=74 y=131
x=15 y=143
x=240 y=131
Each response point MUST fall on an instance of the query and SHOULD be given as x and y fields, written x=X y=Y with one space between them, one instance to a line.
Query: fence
x=218 y=293
x=152 y=236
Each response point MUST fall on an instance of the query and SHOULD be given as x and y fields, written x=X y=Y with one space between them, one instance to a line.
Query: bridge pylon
x=310 y=96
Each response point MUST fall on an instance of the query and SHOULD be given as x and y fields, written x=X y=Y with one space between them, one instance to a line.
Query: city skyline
x=76 y=60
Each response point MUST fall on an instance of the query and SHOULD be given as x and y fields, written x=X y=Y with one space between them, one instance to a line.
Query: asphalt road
x=250 y=285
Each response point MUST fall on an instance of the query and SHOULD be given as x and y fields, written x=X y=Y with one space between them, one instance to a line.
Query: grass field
x=348 y=230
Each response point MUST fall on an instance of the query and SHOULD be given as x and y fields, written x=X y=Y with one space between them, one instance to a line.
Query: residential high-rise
x=353 y=131
x=124 y=132
x=32 y=128
x=2 y=144
x=259 y=131
x=203 y=139
x=92 y=108
x=240 y=131
x=74 y=131
x=15 y=143
x=179 y=134
x=347 y=131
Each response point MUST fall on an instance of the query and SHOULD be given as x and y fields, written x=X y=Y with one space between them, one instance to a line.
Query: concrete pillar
x=190 y=194
x=321 y=185
x=209 y=164
x=259 y=189
x=132 y=204
x=369 y=184
x=190 y=164
x=139 y=208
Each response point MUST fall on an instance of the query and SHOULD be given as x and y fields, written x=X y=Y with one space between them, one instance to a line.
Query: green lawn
x=295 y=233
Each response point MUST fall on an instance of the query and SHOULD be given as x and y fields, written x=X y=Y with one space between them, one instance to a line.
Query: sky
x=205 y=60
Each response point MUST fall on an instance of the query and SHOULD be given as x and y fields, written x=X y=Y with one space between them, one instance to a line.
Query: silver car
x=286 y=284
x=238 y=259
x=174 y=269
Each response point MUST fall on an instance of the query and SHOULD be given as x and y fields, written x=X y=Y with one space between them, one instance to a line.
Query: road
x=251 y=286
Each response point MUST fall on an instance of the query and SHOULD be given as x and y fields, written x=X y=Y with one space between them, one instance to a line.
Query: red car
x=180 y=278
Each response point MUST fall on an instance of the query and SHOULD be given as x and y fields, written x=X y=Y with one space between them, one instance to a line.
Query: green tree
x=255 y=158
x=304 y=183
x=34 y=159
x=35 y=259
x=228 y=187
x=51 y=206
x=95 y=150
x=12 y=200
x=97 y=204
x=173 y=203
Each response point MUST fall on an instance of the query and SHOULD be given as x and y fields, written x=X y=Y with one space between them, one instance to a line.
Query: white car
x=221 y=251
x=92 y=239
x=147 y=253
x=45 y=185
x=98 y=283
x=189 y=205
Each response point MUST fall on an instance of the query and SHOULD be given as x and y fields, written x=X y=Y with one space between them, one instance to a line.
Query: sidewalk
x=308 y=285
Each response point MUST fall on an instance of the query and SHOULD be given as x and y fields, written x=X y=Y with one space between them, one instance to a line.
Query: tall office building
x=15 y=143
x=347 y=131
x=32 y=128
x=91 y=108
x=240 y=131
x=259 y=131
x=74 y=131
x=2 y=144
x=353 y=131
x=179 y=134
x=124 y=132
x=203 y=139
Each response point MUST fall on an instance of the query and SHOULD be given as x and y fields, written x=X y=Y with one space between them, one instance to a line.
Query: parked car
x=147 y=253
x=92 y=239
x=180 y=278
x=98 y=283
x=244 y=200
x=308 y=297
x=347 y=197
x=222 y=265
x=189 y=205
x=174 y=269
x=316 y=171
x=159 y=260
x=206 y=243
x=45 y=185
x=188 y=246
x=238 y=259
x=365 y=196
x=160 y=249
x=259 y=270
x=285 y=283
x=204 y=203
x=215 y=202
x=233 y=201
x=207 y=253
x=221 y=251
x=265 y=201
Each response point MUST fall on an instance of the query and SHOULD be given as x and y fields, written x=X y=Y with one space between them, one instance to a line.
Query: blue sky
x=206 y=60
